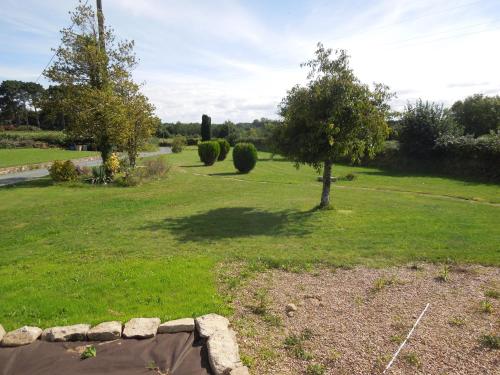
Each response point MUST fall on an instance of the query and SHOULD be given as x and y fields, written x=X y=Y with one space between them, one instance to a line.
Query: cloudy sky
x=235 y=59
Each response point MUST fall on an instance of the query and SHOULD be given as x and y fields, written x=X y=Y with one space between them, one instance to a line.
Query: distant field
x=24 y=156
x=82 y=253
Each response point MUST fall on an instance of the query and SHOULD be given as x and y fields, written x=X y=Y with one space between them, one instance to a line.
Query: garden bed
x=352 y=321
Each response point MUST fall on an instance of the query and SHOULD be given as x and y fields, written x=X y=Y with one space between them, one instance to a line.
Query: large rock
x=106 y=331
x=22 y=336
x=208 y=324
x=77 y=332
x=223 y=352
x=240 y=371
x=175 y=326
x=141 y=328
x=2 y=332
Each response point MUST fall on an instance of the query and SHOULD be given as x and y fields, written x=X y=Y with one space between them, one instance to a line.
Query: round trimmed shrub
x=63 y=171
x=224 y=149
x=208 y=152
x=244 y=157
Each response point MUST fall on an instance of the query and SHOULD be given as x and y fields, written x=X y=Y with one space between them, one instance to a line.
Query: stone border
x=223 y=351
x=31 y=167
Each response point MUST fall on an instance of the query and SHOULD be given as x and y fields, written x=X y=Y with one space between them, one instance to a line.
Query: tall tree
x=332 y=118
x=206 y=128
x=95 y=80
x=18 y=99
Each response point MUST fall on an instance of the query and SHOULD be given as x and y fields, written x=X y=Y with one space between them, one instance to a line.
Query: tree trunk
x=327 y=182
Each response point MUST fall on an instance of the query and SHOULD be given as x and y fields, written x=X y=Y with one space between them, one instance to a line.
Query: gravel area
x=352 y=321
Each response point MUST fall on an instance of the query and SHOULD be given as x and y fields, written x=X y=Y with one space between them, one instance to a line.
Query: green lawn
x=81 y=253
x=25 y=156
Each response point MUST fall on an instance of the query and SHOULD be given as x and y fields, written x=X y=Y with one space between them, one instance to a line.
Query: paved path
x=15 y=178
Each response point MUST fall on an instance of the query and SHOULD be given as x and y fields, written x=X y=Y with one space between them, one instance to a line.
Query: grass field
x=25 y=156
x=81 y=253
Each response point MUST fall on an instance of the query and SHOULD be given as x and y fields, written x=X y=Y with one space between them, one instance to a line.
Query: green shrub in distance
x=178 y=144
x=209 y=152
x=244 y=157
x=63 y=171
x=224 y=149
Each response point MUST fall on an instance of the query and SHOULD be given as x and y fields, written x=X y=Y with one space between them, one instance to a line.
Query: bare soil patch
x=352 y=321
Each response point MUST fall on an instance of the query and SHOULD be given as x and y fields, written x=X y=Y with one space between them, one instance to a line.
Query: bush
x=63 y=171
x=99 y=175
x=422 y=125
x=209 y=152
x=193 y=141
x=224 y=149
x=112 y=165
x=155 y=168
x=244 y=157
x=178 y=144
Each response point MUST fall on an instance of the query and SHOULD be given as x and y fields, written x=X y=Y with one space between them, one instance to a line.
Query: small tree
x=206 y=128
x=100 y=97
x=333 y=118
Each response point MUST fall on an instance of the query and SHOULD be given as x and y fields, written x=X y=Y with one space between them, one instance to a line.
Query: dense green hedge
x=14 y=139
x=244 y=157
x=208 y=152
x=463 y=156
x=224 y=149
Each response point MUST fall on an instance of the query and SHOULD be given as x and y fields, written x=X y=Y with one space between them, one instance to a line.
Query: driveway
x=15 y=178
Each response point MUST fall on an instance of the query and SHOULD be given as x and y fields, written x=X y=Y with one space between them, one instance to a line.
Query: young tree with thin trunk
x=93 y=70
x=334 y=117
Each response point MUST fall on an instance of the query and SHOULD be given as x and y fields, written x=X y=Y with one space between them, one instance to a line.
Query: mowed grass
x=81 y=253
x=25 y=156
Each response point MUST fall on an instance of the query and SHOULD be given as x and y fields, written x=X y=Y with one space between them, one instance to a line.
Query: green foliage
x=316 y=369
x=490 y=341
x=486 y=306
x=208 y=152
x=178 y=144
x=244 y=157
x=422 y=124
x=89 y=352
x=478 y=114
x=100 y=175
x=224 y=149
x=206 y=128
x=151 y=169
x=332 y=118
x=61 y=171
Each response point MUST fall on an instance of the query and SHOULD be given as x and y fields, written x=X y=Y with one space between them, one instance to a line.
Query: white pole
x=406 y=339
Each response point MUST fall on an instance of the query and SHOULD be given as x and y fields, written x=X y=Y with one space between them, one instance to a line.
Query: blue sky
x=236 y=59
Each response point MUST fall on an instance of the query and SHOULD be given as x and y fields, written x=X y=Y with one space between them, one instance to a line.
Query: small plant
x=62 y=171
x=490 y=341
x=398 y=339
x=295 y=343
x=224 y=149
x=244 y=157
x=247 y=360
x=99 y=175
x=350 y=177
x=89 y=352
x=486 y=306
x=495 y=294
x=382 y=282
x=208 y=152
x=156 y=168
x=457 y=321
x=315 y=369
x=413 y=360
x=178 y=144
x=444 y=274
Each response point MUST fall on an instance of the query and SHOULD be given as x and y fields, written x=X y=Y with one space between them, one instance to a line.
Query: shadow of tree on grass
x=232 y=222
